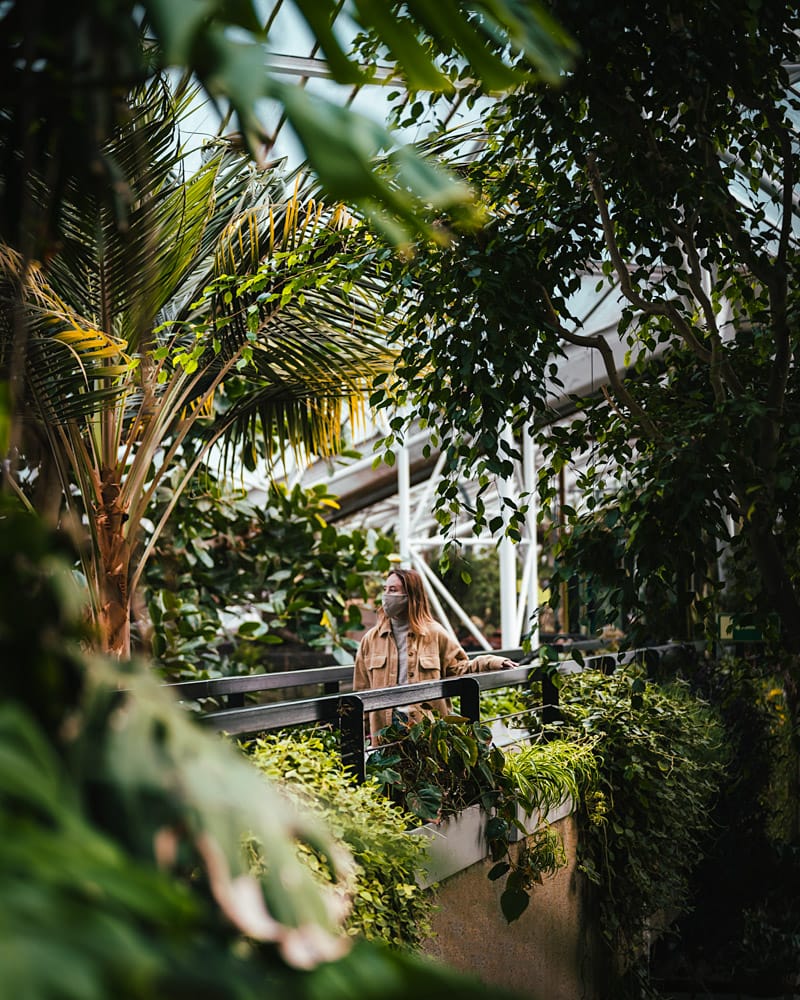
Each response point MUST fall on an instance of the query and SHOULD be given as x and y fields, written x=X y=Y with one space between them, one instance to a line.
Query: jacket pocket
x=429 y=667
x=377 y=671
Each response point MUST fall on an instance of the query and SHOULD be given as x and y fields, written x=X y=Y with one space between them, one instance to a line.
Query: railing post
x=470 y=694
x=608 y=664
x=549 y=699
x=351 y=735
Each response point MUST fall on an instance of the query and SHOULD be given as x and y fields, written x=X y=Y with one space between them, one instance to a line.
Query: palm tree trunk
x=114 y=553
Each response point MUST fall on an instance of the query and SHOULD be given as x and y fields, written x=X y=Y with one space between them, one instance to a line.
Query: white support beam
x=404 y=505
x=523 y=599
x=424 y=503
x=508 y=564
x=436 y=585
x=530 y=588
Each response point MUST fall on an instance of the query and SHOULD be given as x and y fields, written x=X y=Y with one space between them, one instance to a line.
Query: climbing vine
x=660 y=754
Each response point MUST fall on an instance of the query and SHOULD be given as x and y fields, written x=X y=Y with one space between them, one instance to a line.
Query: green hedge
x=388 y=904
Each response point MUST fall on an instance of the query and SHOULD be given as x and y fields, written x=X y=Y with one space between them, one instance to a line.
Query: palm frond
x=124 y=275
x=213 y=276
x=286 y=420
x=72 y=368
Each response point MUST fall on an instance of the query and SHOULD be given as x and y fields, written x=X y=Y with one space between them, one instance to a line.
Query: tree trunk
x=775 y=579
x=115 y=603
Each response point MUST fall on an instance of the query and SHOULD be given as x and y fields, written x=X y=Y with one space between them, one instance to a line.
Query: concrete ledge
x=460 y=841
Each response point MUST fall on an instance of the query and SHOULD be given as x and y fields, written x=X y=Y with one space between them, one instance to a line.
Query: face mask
x=395 y=605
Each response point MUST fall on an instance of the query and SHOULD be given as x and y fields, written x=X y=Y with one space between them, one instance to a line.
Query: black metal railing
x=346 y=710
x=232 y=690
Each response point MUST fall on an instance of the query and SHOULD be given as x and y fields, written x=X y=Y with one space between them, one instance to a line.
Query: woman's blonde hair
x=419 y=610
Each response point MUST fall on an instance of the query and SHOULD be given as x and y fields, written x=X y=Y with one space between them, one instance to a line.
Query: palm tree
x=198 y=306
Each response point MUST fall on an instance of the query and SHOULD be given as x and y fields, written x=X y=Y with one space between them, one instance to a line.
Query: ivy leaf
x=496 y=828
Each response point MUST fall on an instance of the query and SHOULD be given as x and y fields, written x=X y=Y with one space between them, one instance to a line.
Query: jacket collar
x=385 y=628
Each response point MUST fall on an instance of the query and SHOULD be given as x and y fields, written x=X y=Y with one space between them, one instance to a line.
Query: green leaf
x=496 y=828
x=404 y=43
x=248 y=630
x=320 y=16
x=178 y=23
x=514 y=902
x=425 y=802
x=499 y=870
x=387 y=776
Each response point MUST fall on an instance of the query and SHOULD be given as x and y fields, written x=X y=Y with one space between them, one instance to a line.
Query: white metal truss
x=404 y=505
x=518 y=560
x=406 y=510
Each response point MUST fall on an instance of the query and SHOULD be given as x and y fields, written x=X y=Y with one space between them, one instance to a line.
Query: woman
x=407 y=646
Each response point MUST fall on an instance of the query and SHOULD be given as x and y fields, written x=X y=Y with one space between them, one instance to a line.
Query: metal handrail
x=231 y=687
x=347 y=711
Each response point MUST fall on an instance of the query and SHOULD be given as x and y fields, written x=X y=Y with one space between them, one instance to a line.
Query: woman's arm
x=488 y=661
x=455 y=662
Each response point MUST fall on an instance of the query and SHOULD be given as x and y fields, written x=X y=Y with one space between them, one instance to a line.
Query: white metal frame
x=519 y=578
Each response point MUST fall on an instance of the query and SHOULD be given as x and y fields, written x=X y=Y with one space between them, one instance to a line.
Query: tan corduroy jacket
x=432 y=655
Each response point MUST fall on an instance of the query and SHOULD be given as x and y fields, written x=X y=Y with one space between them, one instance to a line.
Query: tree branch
x=787 y=195
x=601 y=345
x=663 y=308
x=718 y=362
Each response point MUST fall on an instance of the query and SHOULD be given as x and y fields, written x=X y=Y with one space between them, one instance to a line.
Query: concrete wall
x=547 y=954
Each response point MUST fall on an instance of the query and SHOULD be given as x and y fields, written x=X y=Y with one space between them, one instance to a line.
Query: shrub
x=745 y=930
x=234 y=579
x=388 y=904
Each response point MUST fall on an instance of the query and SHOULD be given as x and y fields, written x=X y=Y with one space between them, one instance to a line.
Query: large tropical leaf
x=502 y=42
x=63 y=64
x=123 y=825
